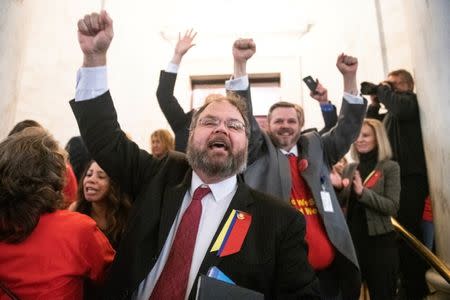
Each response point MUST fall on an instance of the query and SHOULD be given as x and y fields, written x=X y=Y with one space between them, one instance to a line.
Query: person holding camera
x=402 y=122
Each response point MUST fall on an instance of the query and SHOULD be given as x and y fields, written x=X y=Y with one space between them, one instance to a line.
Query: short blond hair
x=382 y=141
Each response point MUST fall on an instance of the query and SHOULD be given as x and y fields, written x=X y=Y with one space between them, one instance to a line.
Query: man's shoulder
x=310 y=133
x=175 y=161
x=176 y=156
x=308 y=137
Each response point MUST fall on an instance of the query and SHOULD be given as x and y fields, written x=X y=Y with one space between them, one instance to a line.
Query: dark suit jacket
x=402 y=122
x=273 y=258
x=268 y=171
x=178 y=120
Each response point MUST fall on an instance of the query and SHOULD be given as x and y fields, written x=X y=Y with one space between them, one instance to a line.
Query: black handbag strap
x=8 y=292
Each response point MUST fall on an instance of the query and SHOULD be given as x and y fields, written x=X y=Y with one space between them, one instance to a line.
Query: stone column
x=13 y=28
x=429 y=32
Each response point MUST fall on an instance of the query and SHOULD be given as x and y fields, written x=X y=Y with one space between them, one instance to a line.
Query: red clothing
x=71 y=187
x=320 y=250
x=427 y=211
x=64 y=249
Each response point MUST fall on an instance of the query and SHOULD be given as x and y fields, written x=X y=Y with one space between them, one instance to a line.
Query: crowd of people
x=279 y=210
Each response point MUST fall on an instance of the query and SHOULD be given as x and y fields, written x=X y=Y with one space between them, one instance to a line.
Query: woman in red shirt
x=45 y=253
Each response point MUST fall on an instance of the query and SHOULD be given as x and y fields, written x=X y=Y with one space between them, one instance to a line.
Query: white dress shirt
x=214 y=206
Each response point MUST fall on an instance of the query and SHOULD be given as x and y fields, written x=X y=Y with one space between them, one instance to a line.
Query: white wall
x=430 y=33
x=13 y=29
x=145 y=35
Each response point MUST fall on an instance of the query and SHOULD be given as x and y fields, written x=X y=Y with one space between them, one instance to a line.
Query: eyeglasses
x=231 y=124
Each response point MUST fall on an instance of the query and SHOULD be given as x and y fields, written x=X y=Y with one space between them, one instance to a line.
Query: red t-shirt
x=63 y=250
x=71 y=187
x=321 y=251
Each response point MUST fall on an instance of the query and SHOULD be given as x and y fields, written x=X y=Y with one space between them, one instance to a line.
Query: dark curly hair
x=117 y=208
x=32 y=168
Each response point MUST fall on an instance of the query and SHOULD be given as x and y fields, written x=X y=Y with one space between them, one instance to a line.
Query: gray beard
x=199 y=160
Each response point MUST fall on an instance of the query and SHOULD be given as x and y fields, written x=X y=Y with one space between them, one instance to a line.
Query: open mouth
x=90 y=190
x=285 y=132
x=218 y=145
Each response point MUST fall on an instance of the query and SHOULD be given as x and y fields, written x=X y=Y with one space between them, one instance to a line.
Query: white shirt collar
x=219 y=190
x=294 y=150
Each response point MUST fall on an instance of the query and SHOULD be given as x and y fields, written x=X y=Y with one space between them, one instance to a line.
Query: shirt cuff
x=172 y=68
x=353 y=99
x=91 y=83
x=326 y=107
x=237 y=84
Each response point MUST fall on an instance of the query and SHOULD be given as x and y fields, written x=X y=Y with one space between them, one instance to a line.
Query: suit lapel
x=241 y=201
x=304 y=151
x=285 y=176
x=171 y=203
x=311 y=174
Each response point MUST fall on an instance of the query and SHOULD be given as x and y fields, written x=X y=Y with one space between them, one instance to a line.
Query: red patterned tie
x=172 y=282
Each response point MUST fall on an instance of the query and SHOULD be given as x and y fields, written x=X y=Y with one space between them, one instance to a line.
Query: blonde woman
x=374 y=198
x=161 y=142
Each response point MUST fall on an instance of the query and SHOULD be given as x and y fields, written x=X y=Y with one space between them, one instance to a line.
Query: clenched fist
x=243 y=49
x=95 y=33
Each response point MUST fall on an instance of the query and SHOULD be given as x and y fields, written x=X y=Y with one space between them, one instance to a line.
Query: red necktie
x=172 y=282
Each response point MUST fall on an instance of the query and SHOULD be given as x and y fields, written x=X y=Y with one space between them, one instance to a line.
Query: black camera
x=368 y=88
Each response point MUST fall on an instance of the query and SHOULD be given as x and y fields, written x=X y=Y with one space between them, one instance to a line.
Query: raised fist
x=95 y=33
x=243 y=49
x=347 y=64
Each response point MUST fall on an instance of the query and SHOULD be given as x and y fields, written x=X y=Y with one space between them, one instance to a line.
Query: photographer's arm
x=373 y=110
x=403 y=105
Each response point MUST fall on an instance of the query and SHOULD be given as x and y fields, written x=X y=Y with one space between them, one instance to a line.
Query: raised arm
x=338 y=140
x=178 y=120
x=183 y=45
x=348 y=65
x=95 y=33
x=96 y=115
x=401 y=104
x=243 y=50
x=373 y=110
x=329 y=113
